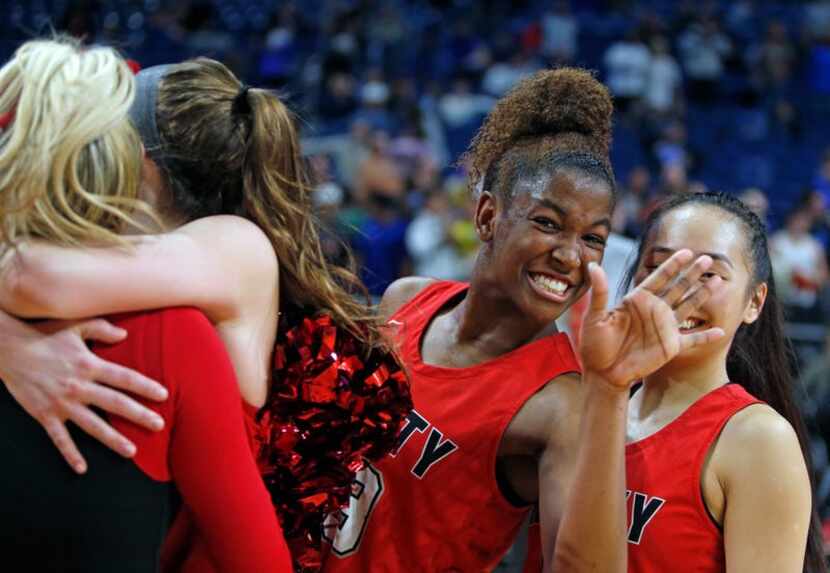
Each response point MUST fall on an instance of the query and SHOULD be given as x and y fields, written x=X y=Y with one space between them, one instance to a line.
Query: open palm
x=642 y=333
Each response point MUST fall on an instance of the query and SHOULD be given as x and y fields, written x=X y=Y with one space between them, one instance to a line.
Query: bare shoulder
x=549 y=418
x=759 y=425
x=239 y=240
x=758 y=439
x=227 y=229
x=401 y=292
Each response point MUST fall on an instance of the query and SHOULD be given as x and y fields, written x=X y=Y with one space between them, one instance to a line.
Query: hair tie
x=7 y=118
x=240 y=102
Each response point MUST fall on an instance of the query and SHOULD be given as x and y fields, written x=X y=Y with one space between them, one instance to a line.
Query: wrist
x=603 y=383
x=12 y=331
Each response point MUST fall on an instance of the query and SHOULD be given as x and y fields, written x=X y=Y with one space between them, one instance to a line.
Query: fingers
x=657 y=281
x=128 y=380
x=696 y=299
x=93 y=425
x=122 y=405
x=59 y=435
x=599 y=288
x=688 y=279
x=695 y=339
x=102 y=331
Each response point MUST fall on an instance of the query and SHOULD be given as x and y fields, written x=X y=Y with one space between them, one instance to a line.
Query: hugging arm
x=214 y=264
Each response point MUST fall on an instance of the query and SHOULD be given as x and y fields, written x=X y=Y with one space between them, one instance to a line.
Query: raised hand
x=54 y=376
x=643 y=333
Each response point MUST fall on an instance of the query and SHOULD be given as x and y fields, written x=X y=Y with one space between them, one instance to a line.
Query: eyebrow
x=715 y=256
x=605 y=222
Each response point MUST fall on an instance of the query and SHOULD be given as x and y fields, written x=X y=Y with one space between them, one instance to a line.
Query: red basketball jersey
x=435 y=506
x=669 y=527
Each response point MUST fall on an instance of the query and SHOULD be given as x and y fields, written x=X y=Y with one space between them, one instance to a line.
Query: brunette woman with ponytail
x=223 y=168
x=717 y=461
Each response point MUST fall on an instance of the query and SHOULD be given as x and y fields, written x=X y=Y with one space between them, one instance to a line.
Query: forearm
x=591 y=535
x=35 y=280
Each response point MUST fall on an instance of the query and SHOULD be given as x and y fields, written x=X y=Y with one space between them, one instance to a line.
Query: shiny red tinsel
x=330 y=408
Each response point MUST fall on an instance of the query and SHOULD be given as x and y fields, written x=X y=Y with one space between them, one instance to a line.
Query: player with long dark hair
x=716 y=457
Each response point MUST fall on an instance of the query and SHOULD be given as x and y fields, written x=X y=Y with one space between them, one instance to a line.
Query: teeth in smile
x=689 y=324
x=551 y=285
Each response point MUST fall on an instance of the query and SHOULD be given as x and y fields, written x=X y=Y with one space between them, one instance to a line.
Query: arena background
x=728 y=96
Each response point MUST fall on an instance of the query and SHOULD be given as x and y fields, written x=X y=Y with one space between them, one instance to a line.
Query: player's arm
x=582 y=508
x=211 y=263
x=617 y=348
x=761 y=469
x=210 y=457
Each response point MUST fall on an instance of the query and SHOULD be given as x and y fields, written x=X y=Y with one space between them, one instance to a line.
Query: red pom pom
x=331 y=406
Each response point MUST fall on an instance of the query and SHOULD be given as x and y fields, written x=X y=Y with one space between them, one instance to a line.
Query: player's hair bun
x=548 y=104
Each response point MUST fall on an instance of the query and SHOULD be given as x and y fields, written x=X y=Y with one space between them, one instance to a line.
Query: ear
x=485 y=216
x=756 y=303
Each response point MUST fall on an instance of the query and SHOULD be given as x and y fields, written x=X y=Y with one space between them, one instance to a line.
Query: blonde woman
x=224 y=169
x=69 y=168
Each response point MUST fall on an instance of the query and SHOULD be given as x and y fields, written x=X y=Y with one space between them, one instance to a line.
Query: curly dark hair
x=555 y=119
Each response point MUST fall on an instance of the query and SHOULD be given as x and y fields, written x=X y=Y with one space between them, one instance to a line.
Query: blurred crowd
x=727 y=96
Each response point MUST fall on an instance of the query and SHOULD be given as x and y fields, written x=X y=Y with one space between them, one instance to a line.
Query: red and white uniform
x=436 y=505
x=669 y=527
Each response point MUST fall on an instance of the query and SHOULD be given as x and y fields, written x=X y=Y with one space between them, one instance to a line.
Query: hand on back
x=56 y=378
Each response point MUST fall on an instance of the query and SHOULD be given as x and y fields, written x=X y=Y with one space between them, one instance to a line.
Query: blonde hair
x=70 y=160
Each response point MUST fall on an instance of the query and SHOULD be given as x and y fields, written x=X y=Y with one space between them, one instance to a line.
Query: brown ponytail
x=235 y=150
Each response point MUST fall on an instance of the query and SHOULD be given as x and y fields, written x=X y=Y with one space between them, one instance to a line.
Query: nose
x=567 y=255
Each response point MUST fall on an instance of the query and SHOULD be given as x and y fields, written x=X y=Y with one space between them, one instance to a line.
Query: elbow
x=24 y=291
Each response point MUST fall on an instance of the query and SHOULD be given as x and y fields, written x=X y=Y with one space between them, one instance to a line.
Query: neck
x=490 y=321
x=680 y=383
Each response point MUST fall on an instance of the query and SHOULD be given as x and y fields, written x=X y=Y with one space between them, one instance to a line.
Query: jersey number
x=344 y=529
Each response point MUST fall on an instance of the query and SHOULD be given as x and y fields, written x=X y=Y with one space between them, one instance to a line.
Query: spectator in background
x=374 y=96
x=560 y=33
x=460 y=105
x=673 y=180
x=627 y=65
x=777 y=57
x=670 y=149
x=202 y=34
x=663 y=90
x=429 y=243
x=742 y=20
x=278 y=62
x=378 y=174
x=337 y=99
x=504 y=74
x=379 y=243
x=412 y=154
x=328 y=198
x=815 y=204
x=403 y=99
x=632 y=202
x=704 y=48
x=800 y=266
x=757 y=202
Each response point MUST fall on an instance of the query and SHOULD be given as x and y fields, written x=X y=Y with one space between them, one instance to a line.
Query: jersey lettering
x=643 y=510
x=434 y=451
x=414 y=423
